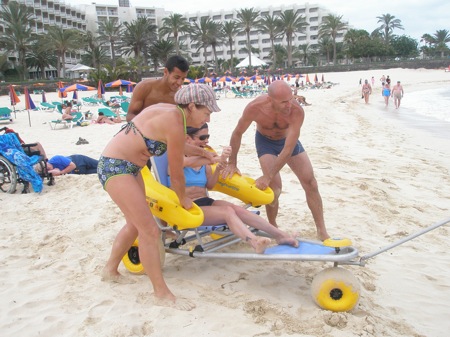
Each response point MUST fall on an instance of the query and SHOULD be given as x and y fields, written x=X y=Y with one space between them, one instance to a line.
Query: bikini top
x=154 y=147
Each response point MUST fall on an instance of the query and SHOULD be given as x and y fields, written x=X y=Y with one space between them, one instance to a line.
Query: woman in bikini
x=157 y=129
x=366 y=91
x=199 y=178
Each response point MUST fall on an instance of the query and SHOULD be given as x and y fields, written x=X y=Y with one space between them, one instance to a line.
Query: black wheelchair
x=9 y=177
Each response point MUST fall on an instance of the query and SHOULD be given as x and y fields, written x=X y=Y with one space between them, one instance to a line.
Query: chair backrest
x=124 y=106
x=160 y=166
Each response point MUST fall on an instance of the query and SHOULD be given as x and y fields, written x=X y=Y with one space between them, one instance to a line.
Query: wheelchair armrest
x=27 y=149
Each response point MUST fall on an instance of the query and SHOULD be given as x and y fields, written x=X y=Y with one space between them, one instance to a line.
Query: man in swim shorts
x=397 y=93
x=278 y=118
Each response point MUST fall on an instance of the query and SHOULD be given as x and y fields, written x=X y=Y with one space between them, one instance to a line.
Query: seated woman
x=102 y=119
x=199 y=178
x=67 y=111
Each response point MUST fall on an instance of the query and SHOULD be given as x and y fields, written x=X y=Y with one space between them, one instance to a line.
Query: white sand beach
x=381 y=177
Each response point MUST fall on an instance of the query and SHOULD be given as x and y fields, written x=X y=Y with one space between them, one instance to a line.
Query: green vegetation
x=135 y=48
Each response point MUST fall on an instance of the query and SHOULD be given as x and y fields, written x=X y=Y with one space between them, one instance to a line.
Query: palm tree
x=137 y=36
x=216 y=37
x=161 y=50
x=92 y=43
x=278 y=54
x=41 y=57
x=95 y=57
x=5 y=64
x=305 y=50
x=109 y=32
x=440 y=40
x=17 y=37
x=62 y=41
x=331 y=25
x=388 y=24
x=292 y=23
x=175 y=24
x=271 y=25
x=247 y=18
x=230 y=30
x=325 y=47
x=201 y=34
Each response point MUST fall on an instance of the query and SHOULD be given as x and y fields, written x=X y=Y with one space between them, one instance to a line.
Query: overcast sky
x=417 y=16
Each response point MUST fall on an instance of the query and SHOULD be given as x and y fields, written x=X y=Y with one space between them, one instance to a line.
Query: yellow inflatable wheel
x=335 y=289
x=132 y=262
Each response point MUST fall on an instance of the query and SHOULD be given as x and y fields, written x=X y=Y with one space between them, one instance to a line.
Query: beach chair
x=5 y=114
x=124 y=106
x=111 y=114
x=69 y=123
x=47 y=106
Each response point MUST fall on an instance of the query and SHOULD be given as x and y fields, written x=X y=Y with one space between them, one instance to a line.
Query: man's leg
x=266 y=161
x=301 y=166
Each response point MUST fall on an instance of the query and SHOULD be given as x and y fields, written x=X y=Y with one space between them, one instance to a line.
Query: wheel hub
x=133 y=255
x=336 y=294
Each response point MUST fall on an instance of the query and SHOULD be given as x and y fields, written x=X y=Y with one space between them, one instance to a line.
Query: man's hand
x=230 y=170
x=55 y=172
x=262 y=182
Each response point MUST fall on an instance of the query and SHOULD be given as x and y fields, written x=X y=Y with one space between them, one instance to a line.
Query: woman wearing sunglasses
x=199 y=178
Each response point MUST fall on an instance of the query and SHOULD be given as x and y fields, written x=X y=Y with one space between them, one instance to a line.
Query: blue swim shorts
x=266 y=145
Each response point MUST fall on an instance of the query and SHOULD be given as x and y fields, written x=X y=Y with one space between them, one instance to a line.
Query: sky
x=417 y=16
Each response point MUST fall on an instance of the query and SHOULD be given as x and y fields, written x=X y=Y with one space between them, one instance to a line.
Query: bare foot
x=177 y=303
x=322 y=235
x=116 y=278
x=288 y=241
x=260 y=244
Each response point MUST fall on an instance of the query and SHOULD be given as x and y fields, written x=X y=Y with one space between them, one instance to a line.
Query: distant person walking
x=386 y=93
x=397 y=93
x=366 y=91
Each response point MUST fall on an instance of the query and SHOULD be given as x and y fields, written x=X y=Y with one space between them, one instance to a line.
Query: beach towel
x=11 y=149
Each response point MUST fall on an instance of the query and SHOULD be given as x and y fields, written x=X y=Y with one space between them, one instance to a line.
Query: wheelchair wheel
x=335 y=289
x=8 y=176
x=132 y=261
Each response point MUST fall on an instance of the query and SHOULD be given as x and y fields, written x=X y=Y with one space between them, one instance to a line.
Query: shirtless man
x=278 y=119
x=397 y=93
x=162 y=90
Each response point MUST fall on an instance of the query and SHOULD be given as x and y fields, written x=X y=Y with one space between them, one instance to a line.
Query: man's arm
x=137 y=101
x=236 y=136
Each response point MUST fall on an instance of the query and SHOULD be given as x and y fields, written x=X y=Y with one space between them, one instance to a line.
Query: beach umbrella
x=316 y=79
x=120 y=91
x=77 y=86
x=100 y=89
x=323 y=78
x=226 y=79
x=61 y=93
x=307 y=79
x=186 y=80
x=44 y=99
x=14 y=98
x=29 y=104
x=204 y=80
x=75 y=96
x=118 y=82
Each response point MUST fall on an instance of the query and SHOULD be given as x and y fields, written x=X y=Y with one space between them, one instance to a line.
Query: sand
x=380 y=178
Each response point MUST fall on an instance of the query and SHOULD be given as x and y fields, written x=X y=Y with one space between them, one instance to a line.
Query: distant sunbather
x=102 y=119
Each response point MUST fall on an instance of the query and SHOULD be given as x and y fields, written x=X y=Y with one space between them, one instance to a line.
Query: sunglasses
x=203 y=137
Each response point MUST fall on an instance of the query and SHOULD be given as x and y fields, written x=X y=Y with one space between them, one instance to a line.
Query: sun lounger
x=5 y=114
x=77 y=119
